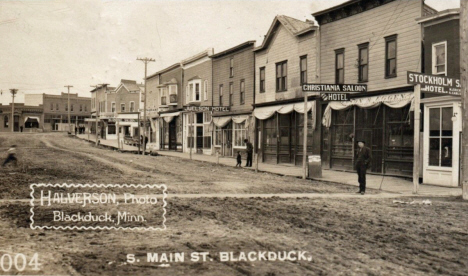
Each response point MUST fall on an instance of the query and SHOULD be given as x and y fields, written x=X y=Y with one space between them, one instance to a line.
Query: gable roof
x=130 y=85
x=294 y=26
x=173 y=66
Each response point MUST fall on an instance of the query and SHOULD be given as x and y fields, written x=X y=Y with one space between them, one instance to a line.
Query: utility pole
x=304 y=153
x=146 y=61
x=69 y=122
x=13 y=94
x=464 y=93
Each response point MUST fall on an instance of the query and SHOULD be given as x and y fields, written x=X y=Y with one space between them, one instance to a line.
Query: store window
x=221 y=95
x=218 y=136
x=262 y=79
x=439 y=58
x=281 y=76
x=111 y=129
x=339 y=66
x=303 y=67
x=240 y=134
x=342 y=130
x=390 y=56
x=363 y=62
x=242 y=92
x=231 y=93
x=440 y=136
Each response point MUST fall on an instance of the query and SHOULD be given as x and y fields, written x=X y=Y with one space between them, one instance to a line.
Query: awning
x=394 y=101
x=266 y=112
x=168 y=117
x=90 y=119
x=221 y=121
x=32 y=119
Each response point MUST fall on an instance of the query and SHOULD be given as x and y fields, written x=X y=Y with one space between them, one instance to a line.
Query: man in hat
x=363 y=158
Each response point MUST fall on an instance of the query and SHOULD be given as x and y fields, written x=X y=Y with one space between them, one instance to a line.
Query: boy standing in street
x=11 y=156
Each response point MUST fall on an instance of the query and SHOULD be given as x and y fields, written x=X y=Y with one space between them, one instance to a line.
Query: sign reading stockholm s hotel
x=435 y=84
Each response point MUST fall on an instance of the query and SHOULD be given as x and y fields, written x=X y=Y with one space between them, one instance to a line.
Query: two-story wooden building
x=373 y=42
x=442 y=114
x=197 y=83
x=233 y=86
x=98 y=108
x=285 y=60
x=165 y=88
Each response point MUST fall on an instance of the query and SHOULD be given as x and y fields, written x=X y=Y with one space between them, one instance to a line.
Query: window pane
x=262 y=74
x=434 y=121
x=391 y=49
x=363 y=53
x=434 y=150
x=365 y=72
x=341 y=76
x=440 y=54
x=446 y=158
x=303 y=64
x=339 y=61
x=278 y=70
x=285 y=69
x=447 y=125
x=392 y=67
x=440 y=68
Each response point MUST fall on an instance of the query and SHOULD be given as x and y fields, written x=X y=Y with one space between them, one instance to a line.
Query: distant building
x=55 y=110
x=98 y=108
x=27 y=118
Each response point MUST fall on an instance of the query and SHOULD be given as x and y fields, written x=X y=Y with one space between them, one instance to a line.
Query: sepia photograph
x=233 y=137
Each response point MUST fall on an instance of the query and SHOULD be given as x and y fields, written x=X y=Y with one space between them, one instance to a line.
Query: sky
x=47 y=44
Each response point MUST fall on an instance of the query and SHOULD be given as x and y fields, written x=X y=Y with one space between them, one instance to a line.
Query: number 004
x=19 y=262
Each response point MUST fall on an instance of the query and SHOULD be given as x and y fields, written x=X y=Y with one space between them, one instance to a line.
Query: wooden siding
x=204 y=71
x=285 y=46
x=243 y=69
x=398 y=17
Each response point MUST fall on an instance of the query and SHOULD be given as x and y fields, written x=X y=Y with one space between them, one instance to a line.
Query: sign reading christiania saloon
x=207 y=108
x=334 y=92
x=435 y=84
x=334 y=88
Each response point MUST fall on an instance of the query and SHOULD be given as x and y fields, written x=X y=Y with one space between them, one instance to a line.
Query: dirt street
x=342 y=236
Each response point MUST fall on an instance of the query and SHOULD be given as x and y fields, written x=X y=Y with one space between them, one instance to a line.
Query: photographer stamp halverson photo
x=209 y=137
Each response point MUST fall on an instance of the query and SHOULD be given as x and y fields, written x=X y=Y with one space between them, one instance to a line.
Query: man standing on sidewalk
x=363 y=158
x=249 y=153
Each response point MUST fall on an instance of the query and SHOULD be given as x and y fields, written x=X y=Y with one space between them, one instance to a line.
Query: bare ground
x=365 y=236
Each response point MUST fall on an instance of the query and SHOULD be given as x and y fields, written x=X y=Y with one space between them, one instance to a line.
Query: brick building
x=233 y=86
x=55 y=110
x=26 y=118
x=285 y=60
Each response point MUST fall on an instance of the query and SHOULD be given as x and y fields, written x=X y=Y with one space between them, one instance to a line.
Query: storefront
x=442 y=136
x=383 y=122
x=280 y=131
x=197 y=132
x=229 y=133
x=170 y=131
x=127 y=126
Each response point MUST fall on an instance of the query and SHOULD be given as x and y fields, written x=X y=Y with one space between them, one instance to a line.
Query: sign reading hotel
x=334 y=92
x=207 y=108
x=435 y=84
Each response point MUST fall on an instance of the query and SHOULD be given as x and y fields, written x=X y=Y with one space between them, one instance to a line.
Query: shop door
x=199 y=139
x=284 y=142
x=172 y=135
x=227 y=142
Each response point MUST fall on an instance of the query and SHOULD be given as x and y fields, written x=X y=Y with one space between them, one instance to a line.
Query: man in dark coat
x=249 y=153
x=363 y=158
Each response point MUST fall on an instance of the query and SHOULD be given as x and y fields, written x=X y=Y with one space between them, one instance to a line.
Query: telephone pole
x=145 y=61
x=13 y=94
x=69 y=123
x=464 y=93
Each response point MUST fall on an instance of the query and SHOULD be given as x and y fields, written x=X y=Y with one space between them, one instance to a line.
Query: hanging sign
x=435 y=84
x=334 y=88
x=207 y=108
